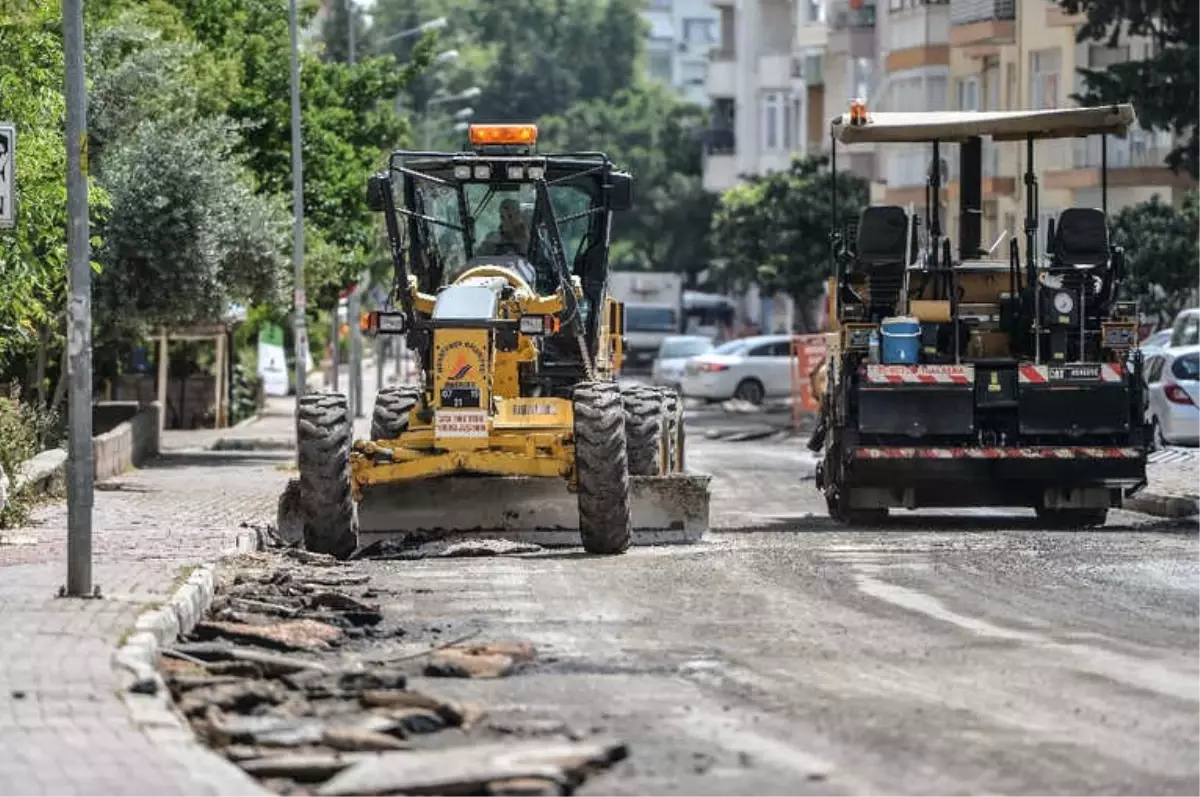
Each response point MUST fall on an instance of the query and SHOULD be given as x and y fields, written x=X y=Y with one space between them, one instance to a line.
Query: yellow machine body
x=475 y=420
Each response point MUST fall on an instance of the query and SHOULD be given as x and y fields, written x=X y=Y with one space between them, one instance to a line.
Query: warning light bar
x=490 y=135
x=858 y=112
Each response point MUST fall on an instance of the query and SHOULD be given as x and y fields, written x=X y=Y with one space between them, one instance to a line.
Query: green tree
x=186 y=236
x=531 y=57
x=1161 y=252
x=33 y=254
x=773 y=230
x=657 y=136
x=1165 y=86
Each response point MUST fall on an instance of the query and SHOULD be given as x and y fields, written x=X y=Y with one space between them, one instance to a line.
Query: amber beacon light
x=484 y=135
x=858 y=112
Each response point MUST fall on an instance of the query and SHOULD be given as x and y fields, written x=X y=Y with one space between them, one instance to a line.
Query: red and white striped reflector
x=1045 y=374
x=921 y=374
x=1039 y=452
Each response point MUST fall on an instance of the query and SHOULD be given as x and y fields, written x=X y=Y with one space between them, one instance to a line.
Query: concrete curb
x=146 y=695
x=253 y=444
x=1166 y=506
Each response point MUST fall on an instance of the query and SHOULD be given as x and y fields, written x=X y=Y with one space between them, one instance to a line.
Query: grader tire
x=389 y=419
x=323 y=437
x=602 y=469
x=644 y=421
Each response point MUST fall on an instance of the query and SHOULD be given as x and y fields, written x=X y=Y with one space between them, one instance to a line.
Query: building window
x=660 y=5
x=659 y=65
x=797 y=142
x=814 y=11
x=1044 y=66
x=693 y=72
x=935 y=93
x=860 y=79
x=771 y=120
x=968 y=94
x=702 y=32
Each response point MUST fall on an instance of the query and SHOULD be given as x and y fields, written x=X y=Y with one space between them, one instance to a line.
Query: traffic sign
x=8 y=177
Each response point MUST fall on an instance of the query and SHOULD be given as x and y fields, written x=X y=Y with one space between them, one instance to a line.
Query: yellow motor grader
x=501 y=265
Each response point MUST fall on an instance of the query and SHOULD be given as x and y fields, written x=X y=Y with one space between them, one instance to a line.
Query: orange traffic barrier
x=807 y=352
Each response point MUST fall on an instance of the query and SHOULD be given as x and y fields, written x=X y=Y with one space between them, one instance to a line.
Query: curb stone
x=145 y=692
x=1167 y=506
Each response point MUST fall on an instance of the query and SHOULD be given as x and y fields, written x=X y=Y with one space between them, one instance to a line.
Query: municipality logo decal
x=463 y=368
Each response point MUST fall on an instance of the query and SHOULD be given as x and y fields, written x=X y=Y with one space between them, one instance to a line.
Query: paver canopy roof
x=1000 y=125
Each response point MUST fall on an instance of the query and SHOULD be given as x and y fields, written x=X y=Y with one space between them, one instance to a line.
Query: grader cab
x=501 y=264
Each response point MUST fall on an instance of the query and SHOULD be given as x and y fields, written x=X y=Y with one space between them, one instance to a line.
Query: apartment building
x=767 y=87
x=682 y=34
x=1022 y=54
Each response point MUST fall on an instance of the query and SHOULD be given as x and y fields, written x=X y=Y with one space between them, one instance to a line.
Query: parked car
x=751 y=369
x=1173 y=395
x=1185 y=329
x=673 y=355
x=1155 y=343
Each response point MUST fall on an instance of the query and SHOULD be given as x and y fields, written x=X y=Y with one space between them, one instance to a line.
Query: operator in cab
x=512 y=236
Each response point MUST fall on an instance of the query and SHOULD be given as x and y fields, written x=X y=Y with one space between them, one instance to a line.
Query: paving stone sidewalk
x=64 y=727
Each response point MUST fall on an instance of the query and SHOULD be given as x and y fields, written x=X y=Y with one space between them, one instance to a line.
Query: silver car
x=673 y=355
x=1173 y=394
x=751 y=369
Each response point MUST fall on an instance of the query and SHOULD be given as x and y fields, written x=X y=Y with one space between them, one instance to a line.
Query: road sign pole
x=80 y=485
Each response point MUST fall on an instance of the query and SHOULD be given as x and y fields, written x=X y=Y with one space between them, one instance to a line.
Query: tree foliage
x=774 y=229
x=186 y=235
x=1161 y=252
x=1164 y=87
x=650 y=131
x=33 y=255
x=531 y=57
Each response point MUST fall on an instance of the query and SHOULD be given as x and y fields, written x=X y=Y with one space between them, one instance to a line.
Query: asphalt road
x=951 y=653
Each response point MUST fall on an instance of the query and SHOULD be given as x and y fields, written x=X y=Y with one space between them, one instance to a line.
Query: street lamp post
x=298 y=214
x=80 y=482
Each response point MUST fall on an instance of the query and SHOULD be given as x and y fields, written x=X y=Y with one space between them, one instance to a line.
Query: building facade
x=766 y=82
x=682 y=35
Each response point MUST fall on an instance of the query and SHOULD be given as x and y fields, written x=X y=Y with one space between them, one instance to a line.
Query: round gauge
x=1063 y=302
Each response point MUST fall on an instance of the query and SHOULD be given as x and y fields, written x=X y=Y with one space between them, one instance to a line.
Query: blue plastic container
x=901 y=340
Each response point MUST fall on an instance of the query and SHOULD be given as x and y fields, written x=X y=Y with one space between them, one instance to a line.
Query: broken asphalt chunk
x=525 y=787
x=469 y=770
x=360 y=740
x=303 y=767
x=490 y=660
x=240 y=697
x=289 y=635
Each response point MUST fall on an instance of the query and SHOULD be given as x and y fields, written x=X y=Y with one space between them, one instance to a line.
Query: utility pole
x=350 y=33
x=298 y=214
x=356 y=352
x=336 y=353
x=80 y=487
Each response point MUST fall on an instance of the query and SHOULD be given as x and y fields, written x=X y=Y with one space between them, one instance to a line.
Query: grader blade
x=666 y=510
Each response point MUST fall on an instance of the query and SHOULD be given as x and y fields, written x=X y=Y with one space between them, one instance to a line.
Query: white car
x=751 y=369
x=673 y=355
x=1173 y=394
x=1185 y=329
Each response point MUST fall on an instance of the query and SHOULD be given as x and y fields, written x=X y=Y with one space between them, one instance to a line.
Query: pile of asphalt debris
x=284 y=677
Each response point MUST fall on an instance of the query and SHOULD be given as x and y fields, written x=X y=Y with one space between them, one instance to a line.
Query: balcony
x=1057 y=18
x=720 y=172
x=775 y=71
x=1136 y=160
x=719 y=141
x=982 y=22
x=721 y=80
x=851 y=32
x=918 y=37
